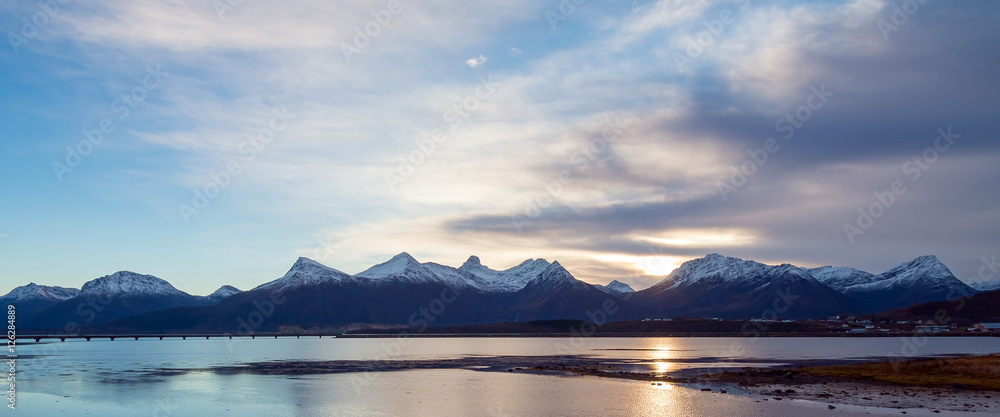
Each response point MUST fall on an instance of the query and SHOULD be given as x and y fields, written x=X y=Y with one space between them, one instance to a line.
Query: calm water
x=111 y=378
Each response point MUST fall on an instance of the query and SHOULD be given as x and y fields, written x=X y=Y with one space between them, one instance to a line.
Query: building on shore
x=988 y=327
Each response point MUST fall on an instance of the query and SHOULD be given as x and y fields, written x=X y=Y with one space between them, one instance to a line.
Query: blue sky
x=604 y=136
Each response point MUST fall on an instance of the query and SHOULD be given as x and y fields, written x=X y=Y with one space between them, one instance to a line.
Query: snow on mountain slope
x=35 y=292
x=726 y=287
x=404 y=268
x=125 y=283
x=553 y=275
x=924 y=279
x=475 y=267
x=986 y=285
x=718 y=269
x=925 y=272
x=395 y=266
x=223 y=292
x=615 y=288
x=305 y=271
x=472 y=273
x=452 y=276
x=509 y=280
x=839 y=278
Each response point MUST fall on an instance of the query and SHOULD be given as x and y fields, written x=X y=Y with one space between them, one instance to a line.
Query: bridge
x=183 y=336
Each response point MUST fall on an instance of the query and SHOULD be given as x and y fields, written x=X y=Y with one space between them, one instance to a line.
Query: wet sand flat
x=801 y=380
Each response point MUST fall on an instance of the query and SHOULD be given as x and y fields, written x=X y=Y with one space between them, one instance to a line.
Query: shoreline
x=825 y=382
x=940 y=384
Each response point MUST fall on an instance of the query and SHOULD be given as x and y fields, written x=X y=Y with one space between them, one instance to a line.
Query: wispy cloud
x=536 y=146
x=476 y=62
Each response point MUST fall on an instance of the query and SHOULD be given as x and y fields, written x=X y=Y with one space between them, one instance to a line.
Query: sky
x=213 y=142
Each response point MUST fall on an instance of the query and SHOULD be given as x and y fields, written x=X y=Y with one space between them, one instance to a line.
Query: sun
x=657 y=265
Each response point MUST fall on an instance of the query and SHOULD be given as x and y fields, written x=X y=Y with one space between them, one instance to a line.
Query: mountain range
x=405 y=292
x=108 y=298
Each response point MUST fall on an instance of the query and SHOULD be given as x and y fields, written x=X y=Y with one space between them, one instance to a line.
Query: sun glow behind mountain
x=643 y=265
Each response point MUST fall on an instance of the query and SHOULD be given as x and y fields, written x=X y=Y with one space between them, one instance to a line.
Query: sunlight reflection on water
x=104 y=378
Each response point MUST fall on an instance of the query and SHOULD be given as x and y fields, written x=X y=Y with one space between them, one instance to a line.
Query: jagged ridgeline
x=405 y=292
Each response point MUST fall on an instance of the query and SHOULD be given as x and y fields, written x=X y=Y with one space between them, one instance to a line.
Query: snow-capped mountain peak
x=554 y=274
x=405 y=268
x=926 y=262
x=305 y=271
x=530 y=266
x=508 y=280
x=925 y=269
x=716 y=270
x=126 y=283
x=917 y=281
x=712 y=266
x=33 y=292
x=472 y=262
x=223 y=292
x=926 y=273
x=395 y=266
x=615 y=287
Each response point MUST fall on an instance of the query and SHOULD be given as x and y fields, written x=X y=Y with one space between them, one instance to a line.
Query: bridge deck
x=88 y=337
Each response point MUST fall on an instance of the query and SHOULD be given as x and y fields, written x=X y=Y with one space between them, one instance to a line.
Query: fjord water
x=125 y=377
